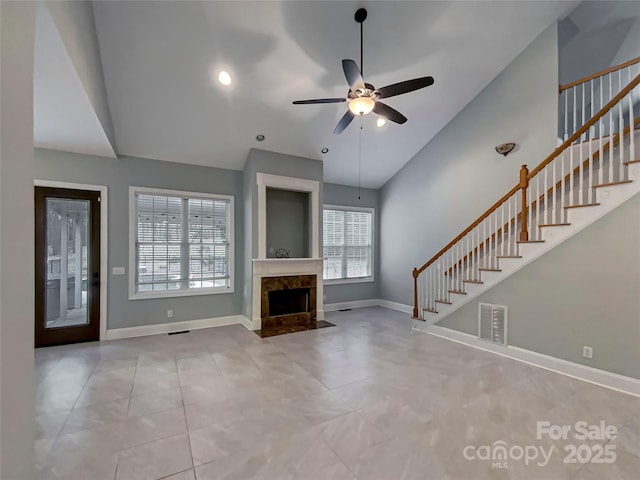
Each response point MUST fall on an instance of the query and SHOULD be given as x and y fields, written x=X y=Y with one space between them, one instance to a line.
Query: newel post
x=415 y=292
x=524 y=184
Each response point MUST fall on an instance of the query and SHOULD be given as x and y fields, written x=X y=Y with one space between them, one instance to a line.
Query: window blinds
x=347 y=244
x=182 y=243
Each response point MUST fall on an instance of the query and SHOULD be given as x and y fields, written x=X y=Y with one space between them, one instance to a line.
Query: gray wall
x=118 y=175
x=287 y=223
x=458 y=175
x=348 y=196
x=17 y=425
x=585 y=291
x=263 y=161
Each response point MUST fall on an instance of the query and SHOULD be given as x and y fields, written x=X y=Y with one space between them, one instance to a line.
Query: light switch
x=118 y=270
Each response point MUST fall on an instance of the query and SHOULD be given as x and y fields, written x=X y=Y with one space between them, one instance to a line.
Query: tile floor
x=368 y=399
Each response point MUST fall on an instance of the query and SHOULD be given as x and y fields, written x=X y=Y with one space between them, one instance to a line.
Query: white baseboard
x=371 y=302
x=161 y=328
x=602 y=378
x=333 y=307
x=401 y=307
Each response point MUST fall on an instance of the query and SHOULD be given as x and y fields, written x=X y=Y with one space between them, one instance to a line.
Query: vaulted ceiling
x=160 y=61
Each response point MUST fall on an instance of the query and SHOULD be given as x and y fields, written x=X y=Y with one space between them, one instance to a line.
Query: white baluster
x=632 y=136
x=583 y=105
x=509 y=235
x=610 y=179
x=581 y=189
x=620 y=133
x=600 y=149
x=554 y=192
x=591 y=193
x=571 y=175
x=566 y=116
x=484 y=243
x=591 y=82
x=575 y=113
x=545 y=194
x=502 y=236
x=476 y=262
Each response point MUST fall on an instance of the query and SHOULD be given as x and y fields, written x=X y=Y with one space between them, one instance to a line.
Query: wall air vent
x=492 y=323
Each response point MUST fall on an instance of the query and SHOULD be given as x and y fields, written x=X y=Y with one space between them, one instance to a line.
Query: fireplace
x=288 y=301
x=292 y=300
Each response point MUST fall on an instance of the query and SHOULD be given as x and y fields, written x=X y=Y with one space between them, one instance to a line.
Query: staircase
x=595 y=170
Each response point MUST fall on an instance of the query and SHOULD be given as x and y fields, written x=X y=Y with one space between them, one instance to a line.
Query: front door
x=67 y=249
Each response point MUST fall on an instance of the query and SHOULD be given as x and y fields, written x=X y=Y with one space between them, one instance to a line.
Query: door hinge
x=99 y=199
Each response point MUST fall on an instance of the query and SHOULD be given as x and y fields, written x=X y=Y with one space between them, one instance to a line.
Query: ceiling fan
x=364 y=97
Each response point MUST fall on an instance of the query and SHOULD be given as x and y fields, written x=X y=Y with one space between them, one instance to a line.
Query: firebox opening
x=284 y=302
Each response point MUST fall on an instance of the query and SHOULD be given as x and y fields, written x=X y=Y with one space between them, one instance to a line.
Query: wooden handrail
x=633 y=61
x=634 y=83
x=603 y=111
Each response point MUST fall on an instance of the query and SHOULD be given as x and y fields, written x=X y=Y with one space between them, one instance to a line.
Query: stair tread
x=446 y=302
x=554 y=225
x=489 y=269
x=430 y=310
x=631 y=162
x=585 y=205
x=612 y=183
x=472 y=281
x=459 y=292
x=530 y=241
x=509 y=256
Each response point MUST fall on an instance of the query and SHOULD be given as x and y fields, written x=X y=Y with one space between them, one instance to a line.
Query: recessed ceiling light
x=325 y=150
x=260 y=137
x=224 y=78
x=380 y=122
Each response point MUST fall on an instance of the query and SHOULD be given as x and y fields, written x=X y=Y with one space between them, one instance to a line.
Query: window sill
x=180 y=293
x=342 y=281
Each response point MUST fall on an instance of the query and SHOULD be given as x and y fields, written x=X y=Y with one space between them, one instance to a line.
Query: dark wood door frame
x=91 y=330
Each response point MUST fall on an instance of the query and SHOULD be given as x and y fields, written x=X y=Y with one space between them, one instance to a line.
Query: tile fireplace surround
x=302 y=268
x=288 y=302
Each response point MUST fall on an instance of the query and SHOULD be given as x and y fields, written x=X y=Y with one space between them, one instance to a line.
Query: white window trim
x=133 y=295
x=372 y=211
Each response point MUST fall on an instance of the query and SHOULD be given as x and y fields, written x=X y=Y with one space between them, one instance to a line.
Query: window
x=347 y=241
x=182 y=243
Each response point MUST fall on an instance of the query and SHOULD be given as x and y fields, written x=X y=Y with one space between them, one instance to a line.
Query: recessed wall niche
x=287 y=223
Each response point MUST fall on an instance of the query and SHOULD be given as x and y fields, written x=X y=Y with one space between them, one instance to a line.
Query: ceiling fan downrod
x=360 y=17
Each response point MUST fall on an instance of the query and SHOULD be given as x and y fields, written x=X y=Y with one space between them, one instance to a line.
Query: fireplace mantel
x=286 y=266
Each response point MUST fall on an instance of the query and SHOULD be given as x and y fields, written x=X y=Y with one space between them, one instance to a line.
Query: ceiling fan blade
x=344 y=122
x=404 y=87
x=352 y=74
x=320 y=100
x=389 y=113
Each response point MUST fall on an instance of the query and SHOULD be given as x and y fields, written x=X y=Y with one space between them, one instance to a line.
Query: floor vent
x=492 y=323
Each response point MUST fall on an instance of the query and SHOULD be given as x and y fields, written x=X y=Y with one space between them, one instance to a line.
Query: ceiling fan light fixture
x=224 y=78
x=380 y=122
x=361 y=105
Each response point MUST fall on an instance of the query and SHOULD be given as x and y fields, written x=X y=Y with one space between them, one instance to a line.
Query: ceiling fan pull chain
x=359 y=157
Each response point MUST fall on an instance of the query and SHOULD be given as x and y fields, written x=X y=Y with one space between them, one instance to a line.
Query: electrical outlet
x=587 y=351
x=169 y=313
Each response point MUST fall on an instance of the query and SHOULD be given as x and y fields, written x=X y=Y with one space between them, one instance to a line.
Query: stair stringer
x=609 y=198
